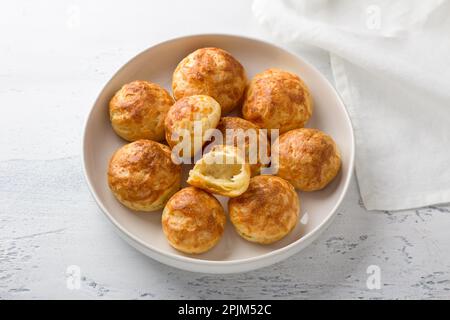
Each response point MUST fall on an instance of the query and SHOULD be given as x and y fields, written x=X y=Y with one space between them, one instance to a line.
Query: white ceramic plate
x=232 y=254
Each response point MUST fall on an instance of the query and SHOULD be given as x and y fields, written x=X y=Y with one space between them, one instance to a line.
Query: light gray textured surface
x=54 y=60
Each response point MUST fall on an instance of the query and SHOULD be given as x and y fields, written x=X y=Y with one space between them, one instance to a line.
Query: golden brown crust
x=138 y=109
x=213 y=72
x=308 y=158
x=142 y=175
x=185 y=112
x=277 y=99
x=267 y=211
x=235 y=123
x=193 y=220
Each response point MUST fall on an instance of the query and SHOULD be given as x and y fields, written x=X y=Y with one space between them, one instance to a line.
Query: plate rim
x=313 y=234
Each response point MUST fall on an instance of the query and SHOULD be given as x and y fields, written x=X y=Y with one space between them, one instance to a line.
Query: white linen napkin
x=391 y=64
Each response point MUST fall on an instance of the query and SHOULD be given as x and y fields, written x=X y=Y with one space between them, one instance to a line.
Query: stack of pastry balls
x=207 y=85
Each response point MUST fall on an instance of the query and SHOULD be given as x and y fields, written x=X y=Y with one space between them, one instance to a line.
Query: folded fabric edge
x=383 y=202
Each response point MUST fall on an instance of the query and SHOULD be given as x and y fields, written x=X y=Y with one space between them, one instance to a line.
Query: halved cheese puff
x=221 y=171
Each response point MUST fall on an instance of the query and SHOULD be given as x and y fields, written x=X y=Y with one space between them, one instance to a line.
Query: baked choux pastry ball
x=193 y=221
x=142 y=175
x=277 y=99
x=138 y=109
x=188 y=121
x=213 y=72
x=246 y=135
x=267 y=211
x=308 y=158
x=222 y=171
